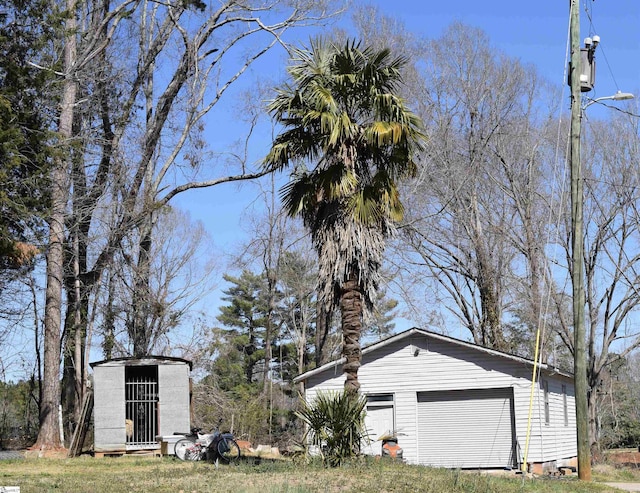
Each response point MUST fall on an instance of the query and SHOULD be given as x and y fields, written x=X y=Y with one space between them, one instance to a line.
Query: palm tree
x=349 y=137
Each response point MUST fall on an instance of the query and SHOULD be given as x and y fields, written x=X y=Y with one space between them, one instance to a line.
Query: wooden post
x=577 y=255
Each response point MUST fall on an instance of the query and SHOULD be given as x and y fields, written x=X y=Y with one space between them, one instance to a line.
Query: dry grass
x=145 y=474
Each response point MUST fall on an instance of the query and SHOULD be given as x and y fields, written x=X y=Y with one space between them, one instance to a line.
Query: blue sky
x=534 y=32
x=537 y=32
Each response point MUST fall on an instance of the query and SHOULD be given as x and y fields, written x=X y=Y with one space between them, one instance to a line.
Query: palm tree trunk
x=323 y=321
x=351 y=308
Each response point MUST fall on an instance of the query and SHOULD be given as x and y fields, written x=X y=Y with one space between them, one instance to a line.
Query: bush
x=335 y=422
x=252 y=414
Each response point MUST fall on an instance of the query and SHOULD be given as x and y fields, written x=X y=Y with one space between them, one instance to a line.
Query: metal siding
x=173 y=398
x=437 y=366
x=466 y=429
x=522 y=395
x=109 y=409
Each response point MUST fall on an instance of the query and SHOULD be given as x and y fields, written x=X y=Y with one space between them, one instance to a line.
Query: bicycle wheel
x=228 y=450
x=184 y=449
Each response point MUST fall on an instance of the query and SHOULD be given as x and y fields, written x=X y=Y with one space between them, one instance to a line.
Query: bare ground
x=624 y=458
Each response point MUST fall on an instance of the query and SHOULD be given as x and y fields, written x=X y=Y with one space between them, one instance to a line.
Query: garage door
x=466 y=429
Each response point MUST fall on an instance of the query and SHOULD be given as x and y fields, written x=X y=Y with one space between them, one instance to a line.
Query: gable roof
x=434 y=335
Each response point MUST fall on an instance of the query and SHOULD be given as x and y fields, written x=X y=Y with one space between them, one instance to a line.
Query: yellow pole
x=523 y=467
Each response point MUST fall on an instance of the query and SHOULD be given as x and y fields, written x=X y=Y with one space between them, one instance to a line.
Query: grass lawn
x=147 y=474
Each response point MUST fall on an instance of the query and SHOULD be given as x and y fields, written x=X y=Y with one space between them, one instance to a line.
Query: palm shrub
x=335 y=424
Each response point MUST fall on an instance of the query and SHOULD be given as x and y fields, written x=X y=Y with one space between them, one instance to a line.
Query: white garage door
x=466 y=429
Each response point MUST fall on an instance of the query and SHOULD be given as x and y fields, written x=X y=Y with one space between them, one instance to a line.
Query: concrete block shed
x=455 y=404
x=138 y=399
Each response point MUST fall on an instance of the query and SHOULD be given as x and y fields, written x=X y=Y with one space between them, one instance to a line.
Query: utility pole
x=577 y=255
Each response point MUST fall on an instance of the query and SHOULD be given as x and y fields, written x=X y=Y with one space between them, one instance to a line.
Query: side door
x=379 y=420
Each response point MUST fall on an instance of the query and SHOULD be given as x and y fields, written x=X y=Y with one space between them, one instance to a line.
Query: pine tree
x=24 y=136
x=245 y=316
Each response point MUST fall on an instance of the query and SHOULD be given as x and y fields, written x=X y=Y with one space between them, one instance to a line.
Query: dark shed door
x=141 y=403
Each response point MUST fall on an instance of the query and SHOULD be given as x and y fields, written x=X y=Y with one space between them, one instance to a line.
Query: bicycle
x=215 y=445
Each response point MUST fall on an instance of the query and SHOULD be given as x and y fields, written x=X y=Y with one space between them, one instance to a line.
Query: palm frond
x=299 y=195
x=342 y=115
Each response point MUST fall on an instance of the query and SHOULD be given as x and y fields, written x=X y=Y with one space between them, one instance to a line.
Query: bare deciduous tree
x=463 y=230
x=612 y=250
x=132 y=111
x=180 y=277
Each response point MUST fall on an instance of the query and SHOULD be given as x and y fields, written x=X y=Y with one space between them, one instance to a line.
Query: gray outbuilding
x=455 y=404
x=136 y=400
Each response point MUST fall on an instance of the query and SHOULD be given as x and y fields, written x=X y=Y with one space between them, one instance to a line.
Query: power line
x=589 y=13
x=635 y=115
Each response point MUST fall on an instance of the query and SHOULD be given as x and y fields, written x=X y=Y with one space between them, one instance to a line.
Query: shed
x=455 y=404
x=138 y=399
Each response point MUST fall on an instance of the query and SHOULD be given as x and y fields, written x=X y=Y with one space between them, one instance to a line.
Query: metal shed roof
x=146 y=360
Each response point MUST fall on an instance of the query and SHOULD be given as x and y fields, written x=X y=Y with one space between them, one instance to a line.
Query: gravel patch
x=11 y=454
x=625 y=486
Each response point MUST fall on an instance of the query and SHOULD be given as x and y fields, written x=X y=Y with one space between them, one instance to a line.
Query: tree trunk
x=74 y=371
x=594 y=423
x=488 y=283
x=140 y=331
x=69 y=396
x=301 y=347
x=249 y=350
x=268 y=329
x=49 y=433
x=36 y=339
x=490 y=326
x=75 y=326
x=351 y=308
x=323 y=318
x=109 y=338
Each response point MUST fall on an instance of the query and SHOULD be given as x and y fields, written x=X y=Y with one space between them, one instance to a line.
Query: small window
x=545 y=387
x=380 y=399
x=565 y=406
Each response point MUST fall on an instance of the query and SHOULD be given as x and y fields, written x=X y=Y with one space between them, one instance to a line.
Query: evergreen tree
x=24 y=130
x=245 y=317
x=18 y=413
